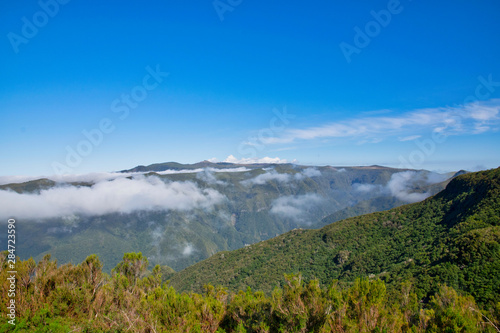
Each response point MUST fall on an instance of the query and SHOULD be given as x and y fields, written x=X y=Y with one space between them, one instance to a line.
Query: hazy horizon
x=18 y=178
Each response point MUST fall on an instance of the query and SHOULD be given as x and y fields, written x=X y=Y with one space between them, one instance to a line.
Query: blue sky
x=419 y=87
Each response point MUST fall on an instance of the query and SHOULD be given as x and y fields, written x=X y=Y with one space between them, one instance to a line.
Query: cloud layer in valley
x=120 y=195
x=253 y=160
x=295 y=207
x=281 y=177
x=402 y=185
x=209 y=177
x=213 y=170
x=95 y=177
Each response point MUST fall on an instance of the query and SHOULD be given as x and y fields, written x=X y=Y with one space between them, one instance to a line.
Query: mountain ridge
x=172 y=165
x=246 y=204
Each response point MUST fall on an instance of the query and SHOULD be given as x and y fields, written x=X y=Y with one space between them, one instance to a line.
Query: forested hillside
x=452 y=238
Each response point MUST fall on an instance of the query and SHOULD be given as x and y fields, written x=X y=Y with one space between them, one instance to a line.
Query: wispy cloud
x=268 y=176
x=409 y=138
x=202 y=170
x=311 y=172
x=471 y=118
x=368 y=188
x=188 y=250
x=272 y=174
x=295 y=207
x=208 y=177
x=257 y=160
x=117 y=196
x=92 y=177
x=402 y=185
x=96 y=177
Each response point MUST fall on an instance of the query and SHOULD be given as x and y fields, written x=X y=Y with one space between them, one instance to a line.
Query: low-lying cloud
x=254 y=160
x=281 y=177
x=368 y=188
x=95 y=177
x=311 y=172
x=402 y=185
x=188 y=250
x=295 y=207
x=268 y=176
x=171 y=172
x=120 y=195
x=208 y=176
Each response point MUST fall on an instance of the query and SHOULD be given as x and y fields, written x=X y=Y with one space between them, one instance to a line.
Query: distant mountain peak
x=459 y=173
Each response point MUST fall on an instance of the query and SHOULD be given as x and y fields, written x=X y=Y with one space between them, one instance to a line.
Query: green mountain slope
x=452 y=238
x=260 y=202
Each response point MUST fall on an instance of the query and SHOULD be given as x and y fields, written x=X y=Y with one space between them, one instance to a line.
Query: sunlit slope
x=452 y=238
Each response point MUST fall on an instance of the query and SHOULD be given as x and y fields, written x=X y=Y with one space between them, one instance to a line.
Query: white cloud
x=96 y=177
x=202 y=170
x=157 y=236
x=311 y=172
x=188 y=250
x=93 y=177
x=484 y=115
x=268 y=176
x=256 y=160
x=295 y=207
x=484 y=111
x=410 y=138
x=434 y=177
x=240 y=169
x=401 y=184
x=464 y=119
x=367 y=188
x=207 y=175
x=16 y=179
x=272 y=174
x=174 y=172
x=121 y=195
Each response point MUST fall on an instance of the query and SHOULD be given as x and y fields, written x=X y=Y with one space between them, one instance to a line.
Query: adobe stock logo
x=221 y=7
x=30 y=28
x=372 y=29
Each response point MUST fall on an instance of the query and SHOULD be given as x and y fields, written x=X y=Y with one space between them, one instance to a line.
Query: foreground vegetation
x=84 y=299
